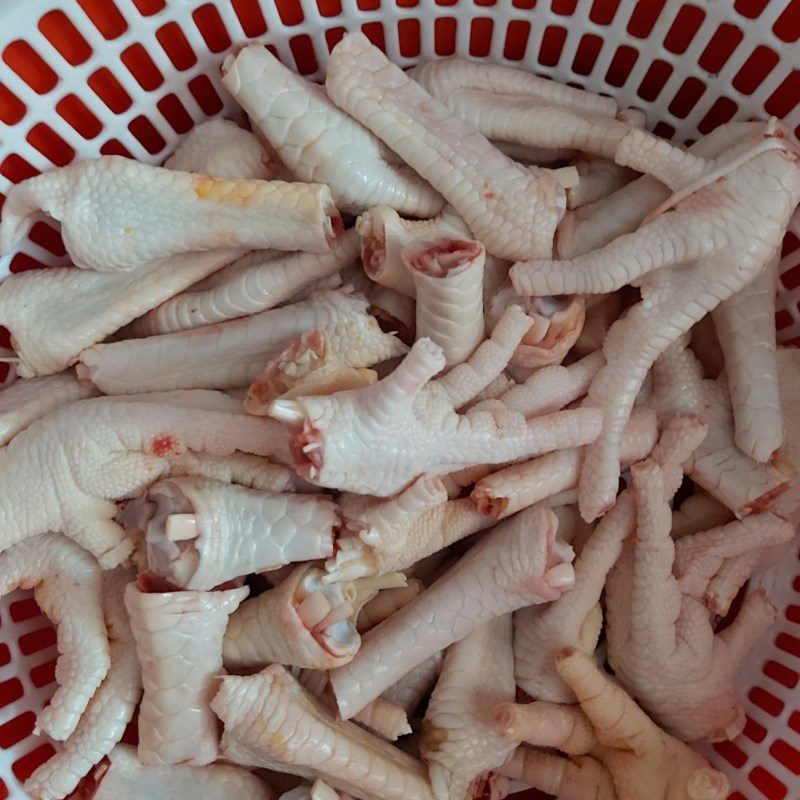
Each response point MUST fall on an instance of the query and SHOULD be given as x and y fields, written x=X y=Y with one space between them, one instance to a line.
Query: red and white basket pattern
x=83 y=77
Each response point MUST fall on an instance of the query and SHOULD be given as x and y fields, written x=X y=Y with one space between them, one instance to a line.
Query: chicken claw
x=67 y=584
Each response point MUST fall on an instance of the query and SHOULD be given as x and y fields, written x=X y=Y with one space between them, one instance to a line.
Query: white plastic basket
x=84 y=77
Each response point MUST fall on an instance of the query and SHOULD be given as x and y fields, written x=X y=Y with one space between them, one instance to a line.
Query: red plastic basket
x=84 y=77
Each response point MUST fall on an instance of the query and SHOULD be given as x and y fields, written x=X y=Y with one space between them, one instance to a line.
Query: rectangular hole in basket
x=783 y=319
x=49 y=238
x=789 y=245
x=105 y=16
x=26 y=608
x=721 y=112
x=12 y=109
x=30 y=66
x=368 y=5
x=17 y=729
x=333 y=36
x=176 y=46
x=250 y=17
x=329 y=8
x=788 y=643
x=212 y=28
x=564 y=8
x=149 y=7
x=5 y=655
x=787 y=26
x=765 y=701
x=484 y=3
x=103 y=83
x=517 y=34
x=654 y=79
x=44 y=674
x=408 y=34
x=720 y=47
x=3 y=790
x=767 y=784
x=786 y=97
x=731 y=753
x=16 y=168
x=444 y=36
x=114 y=147
x=587 y=53
x=524 y=4
x=683 y=29
x=23 y=767
x=781 y=674
x=753 y=72
x=50 y=144
x=686 y=98
x=621 y=65
x=303 y=53
x=604 y=11
x=22 y=262
x=206 y=95
x=644 y=17
x=74 y=111
x=138 y=62
x=65 y=37
x=175 y=113
x=146 y=134
x=374 y=32
x=415 y=3
x=10 y=691
x=786 y=754
x=750 y=8
x=791 y=278
x=552 y=45
x=480 y=36
x=38 y=640
x=794 y=721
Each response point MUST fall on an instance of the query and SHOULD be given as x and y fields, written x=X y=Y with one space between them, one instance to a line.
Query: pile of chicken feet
x=316 y=453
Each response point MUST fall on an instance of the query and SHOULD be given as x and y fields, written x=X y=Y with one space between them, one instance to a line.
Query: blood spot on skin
x=765 y=501
x=488 y=195
x=164 y=445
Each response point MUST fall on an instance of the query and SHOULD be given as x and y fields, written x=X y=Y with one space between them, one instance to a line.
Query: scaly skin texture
x=179 y=646
x=545 y=724
x=448 y=279
x=306 y=366
x=231 y=531
x=270 y=721
x=109 y=711
x=641 y=760
x=521 y=485
x=232 y=353
x=575 y=619
x=511 y=210
x=442 y=77
x=694 y=245
x=242 y=469
x=53 y=314
x=718 y=466
x=660 y=641
x=104 y=449
x=551 y=388
x=254 y=283
x=302 y=622
x=415 y=685
x=319 y=143
x=520 y=563
x=26 y=400
x=67 y=584
x=117 y=215
x=596 y=224
x=458 y=743
x=745 y=325
x=384 y=233
x=126 y=778
x=403 y=530
x=378 y=439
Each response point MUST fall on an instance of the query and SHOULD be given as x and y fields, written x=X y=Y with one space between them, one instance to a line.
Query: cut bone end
x=504 y=718
x=440 y=258
x=568 y=177
x=181 y=527
x=288 y=411
x=707 y=784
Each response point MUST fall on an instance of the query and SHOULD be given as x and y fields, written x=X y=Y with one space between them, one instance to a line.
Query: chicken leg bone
x=67 y=584
x=271 y=721
x=511 y=210
x=458 y=743
x=109 y=711
x=520 y=563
